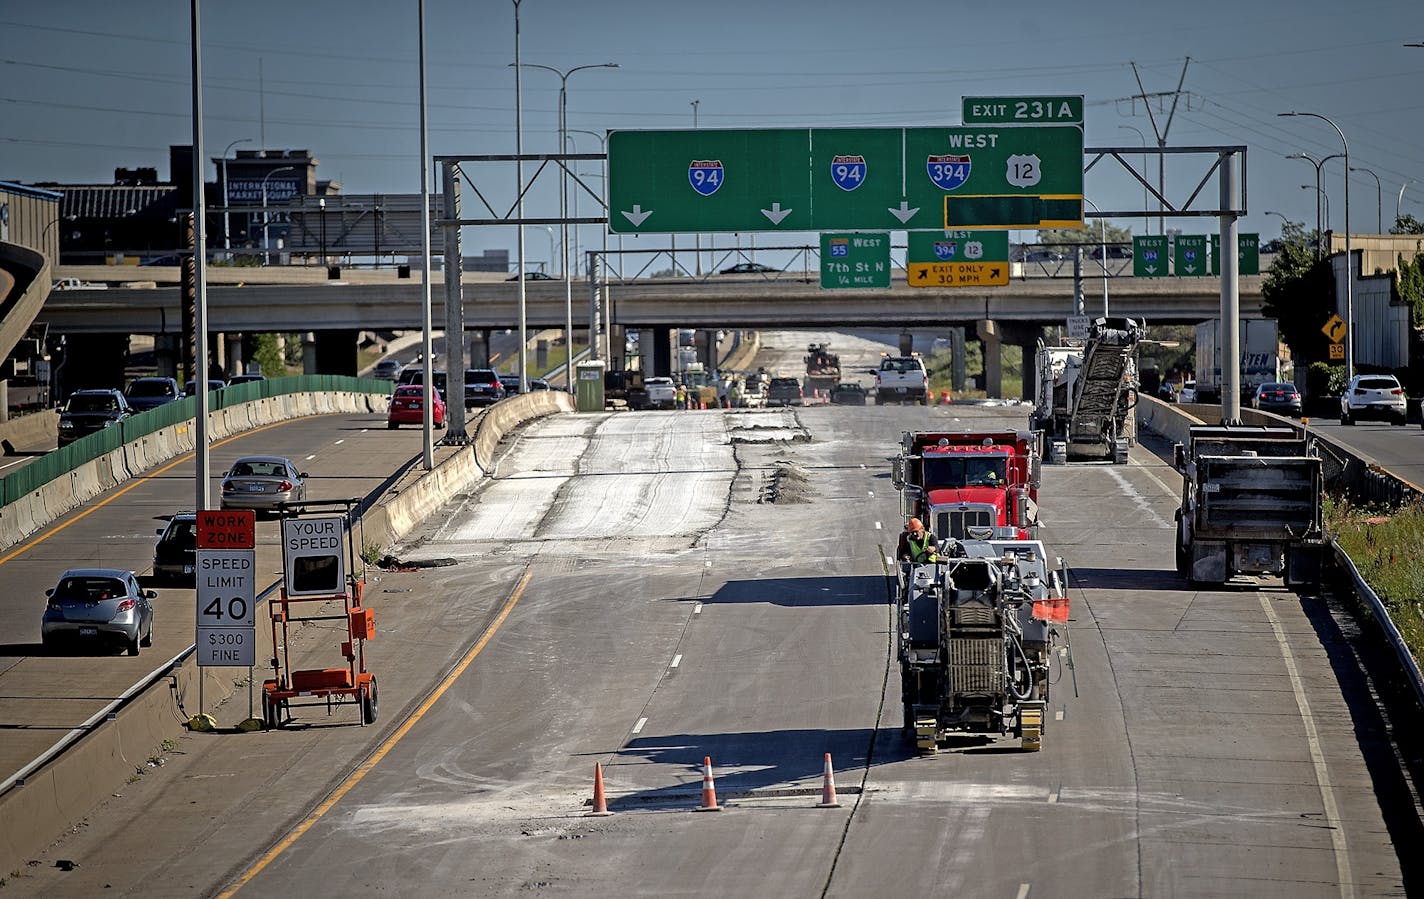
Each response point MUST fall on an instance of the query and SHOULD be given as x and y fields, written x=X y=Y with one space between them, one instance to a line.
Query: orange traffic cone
x=600 y=804
x=709 y=790
x=944 y=397
x=828 y=787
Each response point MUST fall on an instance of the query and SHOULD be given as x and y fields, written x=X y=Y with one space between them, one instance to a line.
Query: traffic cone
x=944 y=397
x=828 y=787
x=709 y=791
x=600 y=804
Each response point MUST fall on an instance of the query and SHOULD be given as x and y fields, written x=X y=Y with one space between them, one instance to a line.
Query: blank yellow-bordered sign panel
x=957 y=274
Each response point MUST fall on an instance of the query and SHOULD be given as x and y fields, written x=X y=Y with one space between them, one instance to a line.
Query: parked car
x=387 y=369
x=150 y=393
x=414 y=374
x=848 y=393
x=191 y=388
x=748 y=268
x=90 y=411
x=1373 y=396
x=784 y=392
x=1275 y=396
x=662 y=393
x=244 y=379
x=533 y=276
x=408 y=408
x=483 y=387
x=101 y=606
x=175 y=553
x=262 y=482
x=1188 y=393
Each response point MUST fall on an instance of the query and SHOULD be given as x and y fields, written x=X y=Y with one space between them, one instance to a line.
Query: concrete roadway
x=621 y=596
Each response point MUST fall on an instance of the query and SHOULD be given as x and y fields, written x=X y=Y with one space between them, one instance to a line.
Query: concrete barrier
x=38 y=429
x=741 y=357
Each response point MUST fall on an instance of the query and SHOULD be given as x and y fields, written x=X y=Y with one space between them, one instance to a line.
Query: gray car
x=262 y=483
x=101 y=606
x=90 y=411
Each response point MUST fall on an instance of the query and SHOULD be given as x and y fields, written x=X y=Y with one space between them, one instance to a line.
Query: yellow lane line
x=135 y=482
x=367 y=766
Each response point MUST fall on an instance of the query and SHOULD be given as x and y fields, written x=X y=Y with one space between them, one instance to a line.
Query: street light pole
x=1320 y=194
x=227 y=227
x=266 y=216
x=1103 y=226
x=1379 y=198
x=604 y=324
x=563 y=203
x=697 y=238
x=1349 y=256
x=1399 y=200
x=519 y=200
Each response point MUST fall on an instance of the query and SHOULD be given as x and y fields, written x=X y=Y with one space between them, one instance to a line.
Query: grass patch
x=940 y=367
x=1387 y=546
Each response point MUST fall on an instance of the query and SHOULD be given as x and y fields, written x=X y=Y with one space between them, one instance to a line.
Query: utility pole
x=1161 y=133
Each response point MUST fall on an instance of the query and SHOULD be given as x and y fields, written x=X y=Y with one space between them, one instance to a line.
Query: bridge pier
x=992 y=342
x=661 y=339
x=480 y=349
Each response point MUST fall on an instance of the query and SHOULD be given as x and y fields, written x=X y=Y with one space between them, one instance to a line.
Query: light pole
x=321 y=203
x=1399 y=200
x=1319 y=164
x=266 y=216
x=697 y=238
x=1349 y=256
x=519 y=200
x=552 y=251
x=1320 y=194
x=563 y=196
x=1103 y=225
x=1379 y=198
x=1284 y=221
x=603 y=300
x=227 y=229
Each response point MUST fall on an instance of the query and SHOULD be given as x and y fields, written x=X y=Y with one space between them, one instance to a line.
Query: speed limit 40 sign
x=226 y=632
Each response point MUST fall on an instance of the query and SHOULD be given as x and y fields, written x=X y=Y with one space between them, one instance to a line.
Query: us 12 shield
x=848 y=172
x=948 y=172
x=705 y=175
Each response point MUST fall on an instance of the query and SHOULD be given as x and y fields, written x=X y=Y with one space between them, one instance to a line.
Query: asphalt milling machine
x=1084 y=393
x=979 y=629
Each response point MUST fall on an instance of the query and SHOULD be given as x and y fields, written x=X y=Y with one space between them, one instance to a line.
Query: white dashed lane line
x=638 y=728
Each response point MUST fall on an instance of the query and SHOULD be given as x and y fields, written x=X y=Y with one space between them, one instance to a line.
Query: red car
x=407 y=410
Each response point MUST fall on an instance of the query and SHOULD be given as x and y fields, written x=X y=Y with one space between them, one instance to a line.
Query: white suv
x=1373 y=396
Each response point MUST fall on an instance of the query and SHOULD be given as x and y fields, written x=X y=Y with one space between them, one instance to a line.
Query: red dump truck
x=971 y=485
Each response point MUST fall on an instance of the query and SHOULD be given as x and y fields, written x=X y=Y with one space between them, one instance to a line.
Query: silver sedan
x=98 y=605
x=262 y=483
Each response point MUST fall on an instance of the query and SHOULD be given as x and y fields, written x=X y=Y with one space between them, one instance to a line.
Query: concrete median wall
x=34 y=511
x=38 y=429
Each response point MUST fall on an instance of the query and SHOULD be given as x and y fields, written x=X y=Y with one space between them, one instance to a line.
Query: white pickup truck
x=76 y=284
x=901 y=379
x=661 y=392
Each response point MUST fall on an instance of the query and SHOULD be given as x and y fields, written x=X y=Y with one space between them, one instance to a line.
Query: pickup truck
x=661 y=392
x=784 y=392
x=901 y=379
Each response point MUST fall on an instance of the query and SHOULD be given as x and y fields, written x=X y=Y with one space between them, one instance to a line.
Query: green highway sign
x=957 y=259
x=1190 y=255
x=1149 y=256
x=1248 y=254
x=1023 y=110
x=855 y=260
x=845 y=179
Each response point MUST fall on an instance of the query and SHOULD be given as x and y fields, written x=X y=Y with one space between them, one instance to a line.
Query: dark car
x=784 y=392
x=415 y=374
x=150 y=393
x=191 y=388
x=510 y=380
x=90 y=411
x=483 y=387
x=175 y=554
x=533 y=276
x=538 y=384
x=748 y=268
x=1277 y=397
x=244 y=379
x=98 y=605
x=848 y=394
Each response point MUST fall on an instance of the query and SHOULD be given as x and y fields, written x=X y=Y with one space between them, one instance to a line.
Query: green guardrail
x=60 y=462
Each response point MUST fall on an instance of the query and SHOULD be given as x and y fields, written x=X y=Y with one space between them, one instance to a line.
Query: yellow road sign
x=1337 y=351
x=1335 y=329
x=957 y=274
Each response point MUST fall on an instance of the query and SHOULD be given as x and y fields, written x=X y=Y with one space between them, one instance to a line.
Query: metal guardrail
x=1386 y=624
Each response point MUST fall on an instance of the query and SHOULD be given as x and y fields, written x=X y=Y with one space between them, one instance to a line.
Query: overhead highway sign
x=958 y=259
x=855 y=260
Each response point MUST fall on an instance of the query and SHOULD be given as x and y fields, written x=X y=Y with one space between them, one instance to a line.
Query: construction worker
x=680 y=397
x=916 y=544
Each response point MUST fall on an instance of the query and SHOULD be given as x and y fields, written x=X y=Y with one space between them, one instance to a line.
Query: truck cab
x=971 y=485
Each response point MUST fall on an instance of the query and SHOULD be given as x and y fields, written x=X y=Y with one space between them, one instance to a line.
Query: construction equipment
x=1084 y=393
x=978 y=630
x=1251 y=504
x=318 y=552
x=970 y=484
x=823 y=368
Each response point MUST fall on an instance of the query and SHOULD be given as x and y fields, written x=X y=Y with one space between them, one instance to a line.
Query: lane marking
x=339 y=442
x=1317 y=757
x=1058 y=715
x=676 y=660
x=375 y=758
x=1138 y=499
x=870 y=493
x=862 y=466
x=1170 y=491
x=134 y=483
x=707 y=564
x=1053 y=796
x=697 y=609
x=638 y=728
x=877 y=525
x=1023 y=891
x=309 y=458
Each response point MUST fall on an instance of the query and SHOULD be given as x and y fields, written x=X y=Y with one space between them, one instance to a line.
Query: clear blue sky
x=90 y=86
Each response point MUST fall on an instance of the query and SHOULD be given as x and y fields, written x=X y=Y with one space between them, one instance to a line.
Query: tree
x=1092 y=235
x=1406 y=224
x=1299 y=293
